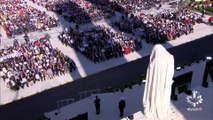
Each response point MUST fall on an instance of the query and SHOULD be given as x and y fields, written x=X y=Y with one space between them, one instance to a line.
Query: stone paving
x=85 y=67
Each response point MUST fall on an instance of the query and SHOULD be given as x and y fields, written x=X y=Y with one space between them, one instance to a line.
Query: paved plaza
x=85 y=67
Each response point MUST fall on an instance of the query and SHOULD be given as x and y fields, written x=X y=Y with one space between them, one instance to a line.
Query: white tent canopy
x=156 y=99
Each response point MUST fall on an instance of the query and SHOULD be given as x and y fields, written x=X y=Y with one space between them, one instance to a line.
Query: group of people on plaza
x=121 y=105
x=201 y=6
x=137 y=5
x=99 y=43
x=84 y=11
x=124 y=6
x=77 y=11
x=26 y=63
x=17 y=18
x=164 y=26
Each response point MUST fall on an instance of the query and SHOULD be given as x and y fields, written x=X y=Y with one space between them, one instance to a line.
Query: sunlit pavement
x=180 y=109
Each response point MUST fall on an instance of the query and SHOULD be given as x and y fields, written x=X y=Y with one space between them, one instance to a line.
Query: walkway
x=133 y=98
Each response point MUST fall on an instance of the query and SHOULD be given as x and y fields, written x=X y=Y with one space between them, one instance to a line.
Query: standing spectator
x=203 y=10
x=97 y=104
x=121 y=106
x=0 y=38
x=26 y=38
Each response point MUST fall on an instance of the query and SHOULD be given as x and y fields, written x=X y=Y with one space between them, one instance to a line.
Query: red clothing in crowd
x=187 y=22
x=8 y=33
x=207 y=2
x=169 y=35
x=127 y=50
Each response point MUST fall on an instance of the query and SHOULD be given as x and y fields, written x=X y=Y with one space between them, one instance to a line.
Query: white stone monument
x=157 y=92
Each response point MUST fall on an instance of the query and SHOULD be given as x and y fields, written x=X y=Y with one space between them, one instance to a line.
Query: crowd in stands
x=201 y=5
x=17 y=18
x=99 y=43
x=132 y=5
x=25 y=63
x=125 y=6
x=164 y=26
x=77 y=11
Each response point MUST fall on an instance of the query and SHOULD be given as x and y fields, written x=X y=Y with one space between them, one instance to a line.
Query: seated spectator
x=79 y=11
x=99 y=43
x=18 y=18
x=129 y=5
x=165 y=26
x=23 y=64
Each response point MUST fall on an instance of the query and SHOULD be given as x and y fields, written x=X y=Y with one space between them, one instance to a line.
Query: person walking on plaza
x=97 y=104
x=121 y=106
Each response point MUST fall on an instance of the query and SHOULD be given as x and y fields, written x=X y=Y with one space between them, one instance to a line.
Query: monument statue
x=157 y=92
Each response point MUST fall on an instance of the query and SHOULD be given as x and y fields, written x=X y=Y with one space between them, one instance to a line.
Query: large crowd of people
x=132 y=5
x=201 y=6
x=127 y=6
x=17 y=18
x=77 y=11
x=25 y=63
x=164 y=26
x=99 y=43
